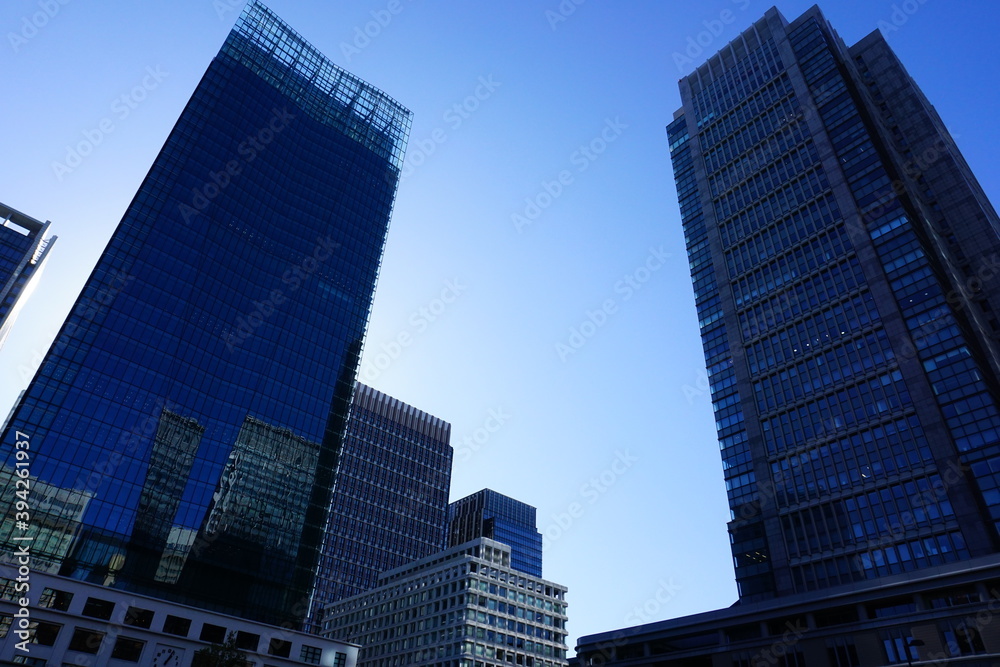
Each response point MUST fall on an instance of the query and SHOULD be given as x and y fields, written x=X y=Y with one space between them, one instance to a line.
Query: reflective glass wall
x=185 y=426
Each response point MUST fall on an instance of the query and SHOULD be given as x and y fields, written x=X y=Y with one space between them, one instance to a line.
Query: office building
x=938 y=616
x=498 y=517
x=23 y=251
x=466 y=606
x=72 y=622
x=390 y=503
x=845 y=270
x=195 y=413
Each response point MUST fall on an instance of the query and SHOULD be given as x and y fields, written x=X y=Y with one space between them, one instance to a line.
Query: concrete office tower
x=23 y=251
x=845 y=267
x=501 y=518
x=200 y=406
x=390 y=503
x=462 y=607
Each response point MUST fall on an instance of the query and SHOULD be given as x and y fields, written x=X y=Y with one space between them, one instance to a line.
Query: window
x=279 y=647
x=953 y=597
x=8 y=589
x=892 y=607
x=215 y=634
x=6 y=620
x=310 y=655
x=140 y=618
x=54 y=599
x=45 y=633
x=175 y=625
x=897 y=642
x=127 y=649
x=25 y=660
x=247 y=641
x=340 y=660
x=962 y=639
x=98 y=608
x=842 y=652
x=86 y=641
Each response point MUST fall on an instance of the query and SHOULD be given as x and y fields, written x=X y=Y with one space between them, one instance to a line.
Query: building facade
x=195 y=401
x=845 y=269
x=23 y=251
x=501 y=518
x=845 y=266
x=390 y=502
x=59 y=621
x=936 y=617
x=466 y=606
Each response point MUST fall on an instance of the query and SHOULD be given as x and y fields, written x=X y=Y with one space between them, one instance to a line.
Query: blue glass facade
x=390 y=501
x=853 y=374
x=498 y=517
x=23 y=251
x=196 y=397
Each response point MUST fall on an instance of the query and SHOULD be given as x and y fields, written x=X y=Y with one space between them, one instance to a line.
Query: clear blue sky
x=617 y=429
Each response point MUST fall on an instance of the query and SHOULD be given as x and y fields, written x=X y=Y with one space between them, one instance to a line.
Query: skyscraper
x=390 y=503
x=498 y=517
x=197 y=410
x=845 y=269
x=845 y=265
x=23 y=251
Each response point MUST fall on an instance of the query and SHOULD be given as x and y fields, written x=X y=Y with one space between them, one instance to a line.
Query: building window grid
x=835 y=365
x=797 y=264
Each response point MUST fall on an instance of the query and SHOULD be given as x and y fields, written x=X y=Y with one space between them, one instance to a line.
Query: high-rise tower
x=498 y=517
x=845 y=266
x=196 y=411
x=390 y=504
x=23 y=251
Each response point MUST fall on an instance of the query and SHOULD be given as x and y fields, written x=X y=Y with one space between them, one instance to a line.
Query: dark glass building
x=390 y=501
x=498 y=517
x=195 y=400
x=845 y=266
x=23 y=251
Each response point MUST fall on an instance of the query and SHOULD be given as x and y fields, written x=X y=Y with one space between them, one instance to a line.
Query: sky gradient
x=534 y=290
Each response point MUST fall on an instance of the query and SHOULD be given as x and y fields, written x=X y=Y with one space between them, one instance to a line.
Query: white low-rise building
x=52 y=621
x=462 y=607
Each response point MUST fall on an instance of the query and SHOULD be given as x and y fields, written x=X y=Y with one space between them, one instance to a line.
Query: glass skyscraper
x=498 y=517
x=390 y=502
x=23 y=251
x=845 y=265
x=189 y=416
